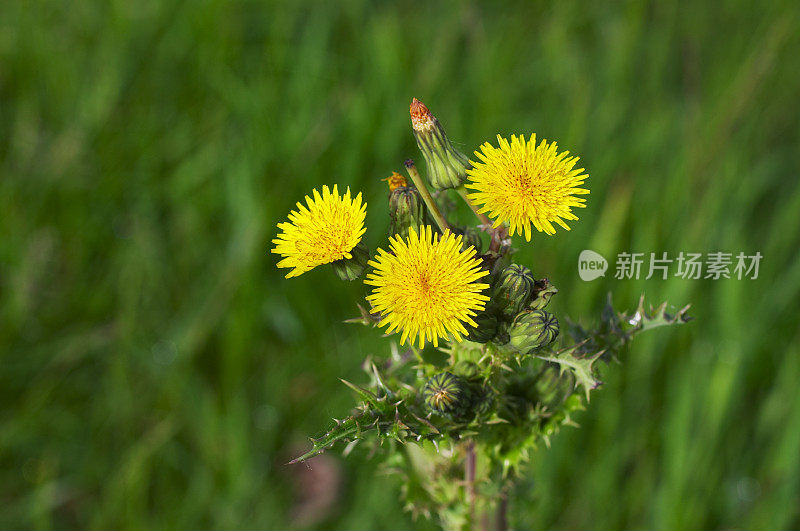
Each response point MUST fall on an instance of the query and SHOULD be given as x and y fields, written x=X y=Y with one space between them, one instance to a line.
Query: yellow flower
x=395 y=181
x=525 y=184
x=426 y=286
x=325 y=231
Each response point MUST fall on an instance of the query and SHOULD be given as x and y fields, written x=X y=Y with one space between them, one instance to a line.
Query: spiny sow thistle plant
x=460 y=431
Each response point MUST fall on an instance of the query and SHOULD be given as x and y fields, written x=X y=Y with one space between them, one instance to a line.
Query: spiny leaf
x=581 y=367
x=345 y=429
x=617 y=329
x=643 y=320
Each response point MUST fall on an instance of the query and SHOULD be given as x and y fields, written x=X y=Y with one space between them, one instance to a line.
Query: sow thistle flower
x=516 y=380
x=427 y=286
x=525 y=184
x=327 y=230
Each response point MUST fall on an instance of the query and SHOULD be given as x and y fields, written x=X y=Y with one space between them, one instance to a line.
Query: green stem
x=498 y=234
x=463 y=193
x=426 y=195
x=416 y=352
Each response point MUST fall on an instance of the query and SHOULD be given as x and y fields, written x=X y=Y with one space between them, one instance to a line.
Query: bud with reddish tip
x=447 y=167
x=395 y=181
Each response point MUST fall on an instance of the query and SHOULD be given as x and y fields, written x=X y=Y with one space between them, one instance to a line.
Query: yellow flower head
x=325 y=231
x=427 y=286
x=395 y=181
x=525 y=184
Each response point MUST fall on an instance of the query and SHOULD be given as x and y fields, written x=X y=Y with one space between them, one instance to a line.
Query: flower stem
x=416 y=351
x=469 y=477
x=411 y=168
x=502 y=510
x=498 y=234
x=463 y=193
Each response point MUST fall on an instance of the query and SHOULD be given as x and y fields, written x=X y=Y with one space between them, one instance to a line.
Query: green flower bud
x=447 y=167
x=482 y=398
x=533 y=329
x=406 y=210
x=514 y=289
x=469 y=238
x=445 y=393
x=543 y=291
x=553 y=386
x=486 y=329
x=351 y=268
x=467 y=369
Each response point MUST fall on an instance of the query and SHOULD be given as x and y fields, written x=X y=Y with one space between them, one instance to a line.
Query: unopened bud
x=445 y=393
x=352 y=268
x=482 y=398
x=406 y=210
x=533 y=329
x=553 y=386
x=514 y=289
x=447 y=167
x=467 y=369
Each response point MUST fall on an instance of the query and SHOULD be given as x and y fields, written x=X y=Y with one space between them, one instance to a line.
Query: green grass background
x=157 y=370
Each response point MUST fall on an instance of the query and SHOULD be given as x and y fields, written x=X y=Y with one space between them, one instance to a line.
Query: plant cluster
x=459 y=421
